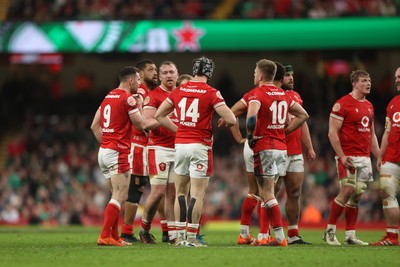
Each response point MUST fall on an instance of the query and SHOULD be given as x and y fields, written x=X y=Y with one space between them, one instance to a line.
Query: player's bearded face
x=397 y=76
x=150 y=76
x=288 y=81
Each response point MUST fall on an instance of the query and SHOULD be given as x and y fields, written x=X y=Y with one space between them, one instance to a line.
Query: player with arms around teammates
x=112 y=128
x=389 y=170
x=266 y=121
x=352 y=136
x=138 y=155
x=195 y=103
x=161 y=155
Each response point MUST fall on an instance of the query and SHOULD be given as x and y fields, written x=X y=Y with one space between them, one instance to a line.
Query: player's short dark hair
x=355 y=75
x=280 y=71
x=126 y=72
x=267 y=68
x=141 y=65
x=203 y=66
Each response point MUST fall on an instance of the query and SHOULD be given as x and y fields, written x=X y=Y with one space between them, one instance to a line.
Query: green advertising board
x=198 y=35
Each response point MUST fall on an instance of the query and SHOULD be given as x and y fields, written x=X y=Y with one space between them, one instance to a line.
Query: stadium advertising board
x=198 y=35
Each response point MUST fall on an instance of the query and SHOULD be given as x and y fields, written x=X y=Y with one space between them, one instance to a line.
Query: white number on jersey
x=192 y=111
x=107 y=116
x=279 y=111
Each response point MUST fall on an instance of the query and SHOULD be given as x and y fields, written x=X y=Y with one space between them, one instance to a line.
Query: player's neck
x=125 y=88
x=165 y=88
x=357 y=95
x=265 y=83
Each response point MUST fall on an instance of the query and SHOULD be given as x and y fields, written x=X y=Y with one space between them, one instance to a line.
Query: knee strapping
x=190 y=209
x=361 y=187
x=136 y=188
x=389 y=186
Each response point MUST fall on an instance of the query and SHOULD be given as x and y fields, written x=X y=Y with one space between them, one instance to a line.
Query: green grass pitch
x=76 y=246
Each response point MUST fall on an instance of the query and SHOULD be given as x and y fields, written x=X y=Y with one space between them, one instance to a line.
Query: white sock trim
x=115 y=202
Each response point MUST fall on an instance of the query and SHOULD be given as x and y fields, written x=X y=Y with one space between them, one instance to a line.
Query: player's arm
x=237 y=135
x=95 y=127
x=251 y=122
x=384 y=144
x=334 y=128
x=306 y=138
x=150 y=122
x=226 y=114
x=161 y=116
x=137 y=120
x=238 y=109
x=300 y=116
x=374 y=142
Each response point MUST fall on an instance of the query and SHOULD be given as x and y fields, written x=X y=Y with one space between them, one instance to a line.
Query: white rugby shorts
x=194 y=160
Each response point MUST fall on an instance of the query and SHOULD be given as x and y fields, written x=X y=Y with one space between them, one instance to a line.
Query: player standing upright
x=389 y=166
x=352 y=136
x=295 y=170
x=161 y=154
x=112 y=128
x=266 y=121
x=194 y=103
x=138 y=155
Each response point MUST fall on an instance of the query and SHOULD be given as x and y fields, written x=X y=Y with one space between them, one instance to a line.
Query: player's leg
x=248 y=206
x=200 y=169
x=195 y=208
x=135 y=192
x=163 y=219
x=251 y=200
x=182 y=183
x=117 y=173
x=293 y=185
x=268 y=164
x=169 y=207
x=347 y=182
x=389 y=185
x=363 y=177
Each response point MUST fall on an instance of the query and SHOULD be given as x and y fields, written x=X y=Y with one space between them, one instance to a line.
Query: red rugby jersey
x=357 y=116
x=194 y=103
x=160 y=136
x=392 y=152
x=114 y=120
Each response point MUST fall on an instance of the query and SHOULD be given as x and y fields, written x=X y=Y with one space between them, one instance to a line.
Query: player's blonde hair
x=267 y=69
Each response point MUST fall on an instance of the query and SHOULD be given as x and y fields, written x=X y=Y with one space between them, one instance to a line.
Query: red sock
x=293 y=232
x=127 y=229
x=249 y=203
x=336 y=211
x=110 y=215
x=392 y=232
x=264 y=220
x=350 y=215
x=164 y=225
x=114 y=230
x=145 y=225
x=274 y=213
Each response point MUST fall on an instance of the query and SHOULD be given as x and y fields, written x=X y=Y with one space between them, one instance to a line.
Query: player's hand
x=221 y=122
x=347 y=162
x=139 y=99
x=311 y=154
x=379 y=163
x=252 y=140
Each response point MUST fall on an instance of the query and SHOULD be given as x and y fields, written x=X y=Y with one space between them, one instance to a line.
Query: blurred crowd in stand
x=46 y=10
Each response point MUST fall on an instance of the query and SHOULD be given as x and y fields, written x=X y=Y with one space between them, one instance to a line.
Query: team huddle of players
x=162 y=134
